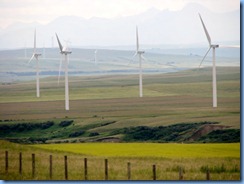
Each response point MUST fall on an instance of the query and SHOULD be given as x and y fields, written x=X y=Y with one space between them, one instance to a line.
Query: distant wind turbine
x=95 y=56
x=65 y=51
x=25 y=51
x=139 y=53
x=44 y=50
x=213 y=46
x=36 y=55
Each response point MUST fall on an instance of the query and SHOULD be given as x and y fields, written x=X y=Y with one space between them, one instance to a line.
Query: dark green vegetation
x=229 y=135
x=183 y=132
x=107 y=108
x=180 y=132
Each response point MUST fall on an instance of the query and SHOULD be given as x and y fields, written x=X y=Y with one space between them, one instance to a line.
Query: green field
x=222 y=160
x=108 y=108
x=182 y=97
x=170 y=150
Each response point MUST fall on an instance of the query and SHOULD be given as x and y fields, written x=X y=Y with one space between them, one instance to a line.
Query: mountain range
x=156 y=29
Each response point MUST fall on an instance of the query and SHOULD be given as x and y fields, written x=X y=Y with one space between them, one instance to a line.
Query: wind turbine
x=36 y=55
x=140 y=56
x=95 y=56
x=44 y=50
x=25 y=51
x=65 y=51
x=213 y=47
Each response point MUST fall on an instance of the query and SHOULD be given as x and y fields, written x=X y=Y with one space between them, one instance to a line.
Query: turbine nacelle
x=140 y=52
x=36 y=55
x=214 y=46
x=65 y=52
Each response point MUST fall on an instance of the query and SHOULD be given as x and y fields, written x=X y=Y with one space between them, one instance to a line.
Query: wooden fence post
x=154 y=172
x=65 y=168
x=180 y=174
x=128 y=170
x=6 y=162
x=51 y=166
x=33 y=165
x=85 y=168
x=106 y=169
x=207 y=174
x=20 y=163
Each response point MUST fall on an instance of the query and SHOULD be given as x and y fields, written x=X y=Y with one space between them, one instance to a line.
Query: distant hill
x=14 y=64
x=155 y=28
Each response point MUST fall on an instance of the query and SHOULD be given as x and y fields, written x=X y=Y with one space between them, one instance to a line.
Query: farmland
x=108 y=109
x=222 y=160
x=174 y=98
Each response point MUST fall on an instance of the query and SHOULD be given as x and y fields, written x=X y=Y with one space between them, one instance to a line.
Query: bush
x=66 y=123
x=228 y=135
x=19 y=127
x=76 y=134
x=93 y=134
x=47 y=124
x=33 y=140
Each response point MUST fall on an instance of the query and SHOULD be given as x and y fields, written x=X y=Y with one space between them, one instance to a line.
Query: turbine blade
x=229 y=46
x=59 y=43
x=60 y=66
x=31 y=58
x=134 y=55
x=145 y=59
x=35 y=41
x=204 y=56
x=68 y=58
x=137 y=40
x=205 y=30
x=132 y=58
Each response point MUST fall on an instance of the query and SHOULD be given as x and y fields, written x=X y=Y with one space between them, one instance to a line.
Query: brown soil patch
x=205 y=129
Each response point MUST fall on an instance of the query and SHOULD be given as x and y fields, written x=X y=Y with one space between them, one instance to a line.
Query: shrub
x=76 y=134
x=47 y=124
x=93 y=134
x=228 y=135
x=66 y=123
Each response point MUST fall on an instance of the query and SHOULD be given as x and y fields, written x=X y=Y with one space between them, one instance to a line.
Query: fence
x=86 y=169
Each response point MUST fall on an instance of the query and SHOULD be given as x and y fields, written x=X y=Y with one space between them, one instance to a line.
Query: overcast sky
x=44 y=11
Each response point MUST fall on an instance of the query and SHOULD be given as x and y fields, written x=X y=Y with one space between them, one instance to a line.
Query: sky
x=44 y=11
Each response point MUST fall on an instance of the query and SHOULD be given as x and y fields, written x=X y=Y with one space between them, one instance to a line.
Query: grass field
x=223 y=161
x=168 y=99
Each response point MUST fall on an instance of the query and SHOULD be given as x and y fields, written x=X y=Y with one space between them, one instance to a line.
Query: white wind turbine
x=95 y=56
x=213 y=46
x=65 y=51
x=36 y=55
x=139 y=53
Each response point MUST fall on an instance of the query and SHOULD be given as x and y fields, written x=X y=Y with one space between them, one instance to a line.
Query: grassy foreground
x=222 y=160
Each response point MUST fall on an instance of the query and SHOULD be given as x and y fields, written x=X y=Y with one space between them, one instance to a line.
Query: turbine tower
x=65 y=51
x=36 y=55
x=140 y=56
x=213 y=47
x=95 y=56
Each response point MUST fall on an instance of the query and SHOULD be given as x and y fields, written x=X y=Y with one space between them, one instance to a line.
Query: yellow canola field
x=166 y=150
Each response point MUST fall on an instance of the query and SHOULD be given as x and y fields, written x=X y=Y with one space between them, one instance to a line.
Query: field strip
x=166 y=150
